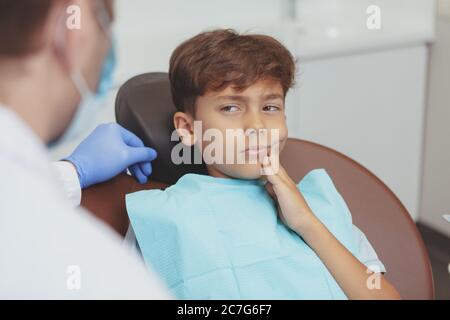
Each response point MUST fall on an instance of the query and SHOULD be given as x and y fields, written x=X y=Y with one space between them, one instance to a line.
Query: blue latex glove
x=109 y=150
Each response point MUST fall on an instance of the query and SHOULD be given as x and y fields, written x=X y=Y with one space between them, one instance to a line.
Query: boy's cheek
x=282 y=133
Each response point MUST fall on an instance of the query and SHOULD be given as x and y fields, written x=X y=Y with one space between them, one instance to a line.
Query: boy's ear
x=184 y=124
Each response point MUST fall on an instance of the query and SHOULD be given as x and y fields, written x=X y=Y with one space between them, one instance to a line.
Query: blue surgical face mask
x=90 y=102
x=107 y=75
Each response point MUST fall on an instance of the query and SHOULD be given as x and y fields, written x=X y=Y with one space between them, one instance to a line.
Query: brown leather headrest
x=144 y=106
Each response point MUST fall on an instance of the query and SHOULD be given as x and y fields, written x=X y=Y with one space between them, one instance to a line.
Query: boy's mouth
x=259 y=150
x=256 y=150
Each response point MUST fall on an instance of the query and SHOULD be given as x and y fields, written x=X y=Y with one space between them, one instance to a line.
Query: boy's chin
x=242 y=171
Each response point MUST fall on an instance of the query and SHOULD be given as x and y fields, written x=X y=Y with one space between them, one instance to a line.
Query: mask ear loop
x=60 y=48
x=60 y=42
x=104 y=19
x=80 y=83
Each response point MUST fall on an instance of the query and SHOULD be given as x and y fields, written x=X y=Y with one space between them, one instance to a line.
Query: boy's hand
x=292 y=207
x=347 y=270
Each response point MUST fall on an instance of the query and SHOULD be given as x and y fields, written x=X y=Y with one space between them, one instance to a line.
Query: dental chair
x=144 y=106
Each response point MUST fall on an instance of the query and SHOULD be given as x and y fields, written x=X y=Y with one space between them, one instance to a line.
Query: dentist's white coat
x=48 y=248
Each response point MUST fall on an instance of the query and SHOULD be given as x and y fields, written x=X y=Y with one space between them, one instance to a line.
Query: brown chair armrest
x=107 y=200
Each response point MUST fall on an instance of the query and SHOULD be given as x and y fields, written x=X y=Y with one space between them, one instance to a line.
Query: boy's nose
x=254 y=123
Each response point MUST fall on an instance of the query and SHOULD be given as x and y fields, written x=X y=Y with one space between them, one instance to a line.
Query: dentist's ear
x=184 y=124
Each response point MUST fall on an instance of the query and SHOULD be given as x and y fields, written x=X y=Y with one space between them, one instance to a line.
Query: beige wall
x=436 y=171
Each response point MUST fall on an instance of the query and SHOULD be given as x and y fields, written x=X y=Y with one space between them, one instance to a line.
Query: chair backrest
x=144 y=106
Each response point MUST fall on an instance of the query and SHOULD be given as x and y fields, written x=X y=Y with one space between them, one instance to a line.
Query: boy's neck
x=213 y=172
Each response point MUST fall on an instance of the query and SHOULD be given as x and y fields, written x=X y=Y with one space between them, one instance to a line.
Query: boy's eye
x=271 y=108
x=230 y=108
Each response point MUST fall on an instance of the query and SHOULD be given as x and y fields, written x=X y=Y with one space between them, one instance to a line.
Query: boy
x=247 y=231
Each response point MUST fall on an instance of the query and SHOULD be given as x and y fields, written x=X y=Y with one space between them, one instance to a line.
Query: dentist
x=52 y=79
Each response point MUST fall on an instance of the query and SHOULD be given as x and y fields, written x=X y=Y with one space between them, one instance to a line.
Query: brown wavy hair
x=217 y=59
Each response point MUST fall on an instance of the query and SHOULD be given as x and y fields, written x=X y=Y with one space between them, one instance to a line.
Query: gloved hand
x=109 y=150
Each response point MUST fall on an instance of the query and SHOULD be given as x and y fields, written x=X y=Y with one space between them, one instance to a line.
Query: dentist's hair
x=217 y=59
x=23 y=21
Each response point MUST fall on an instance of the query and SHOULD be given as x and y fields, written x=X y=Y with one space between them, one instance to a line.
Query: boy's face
x=247 y=113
